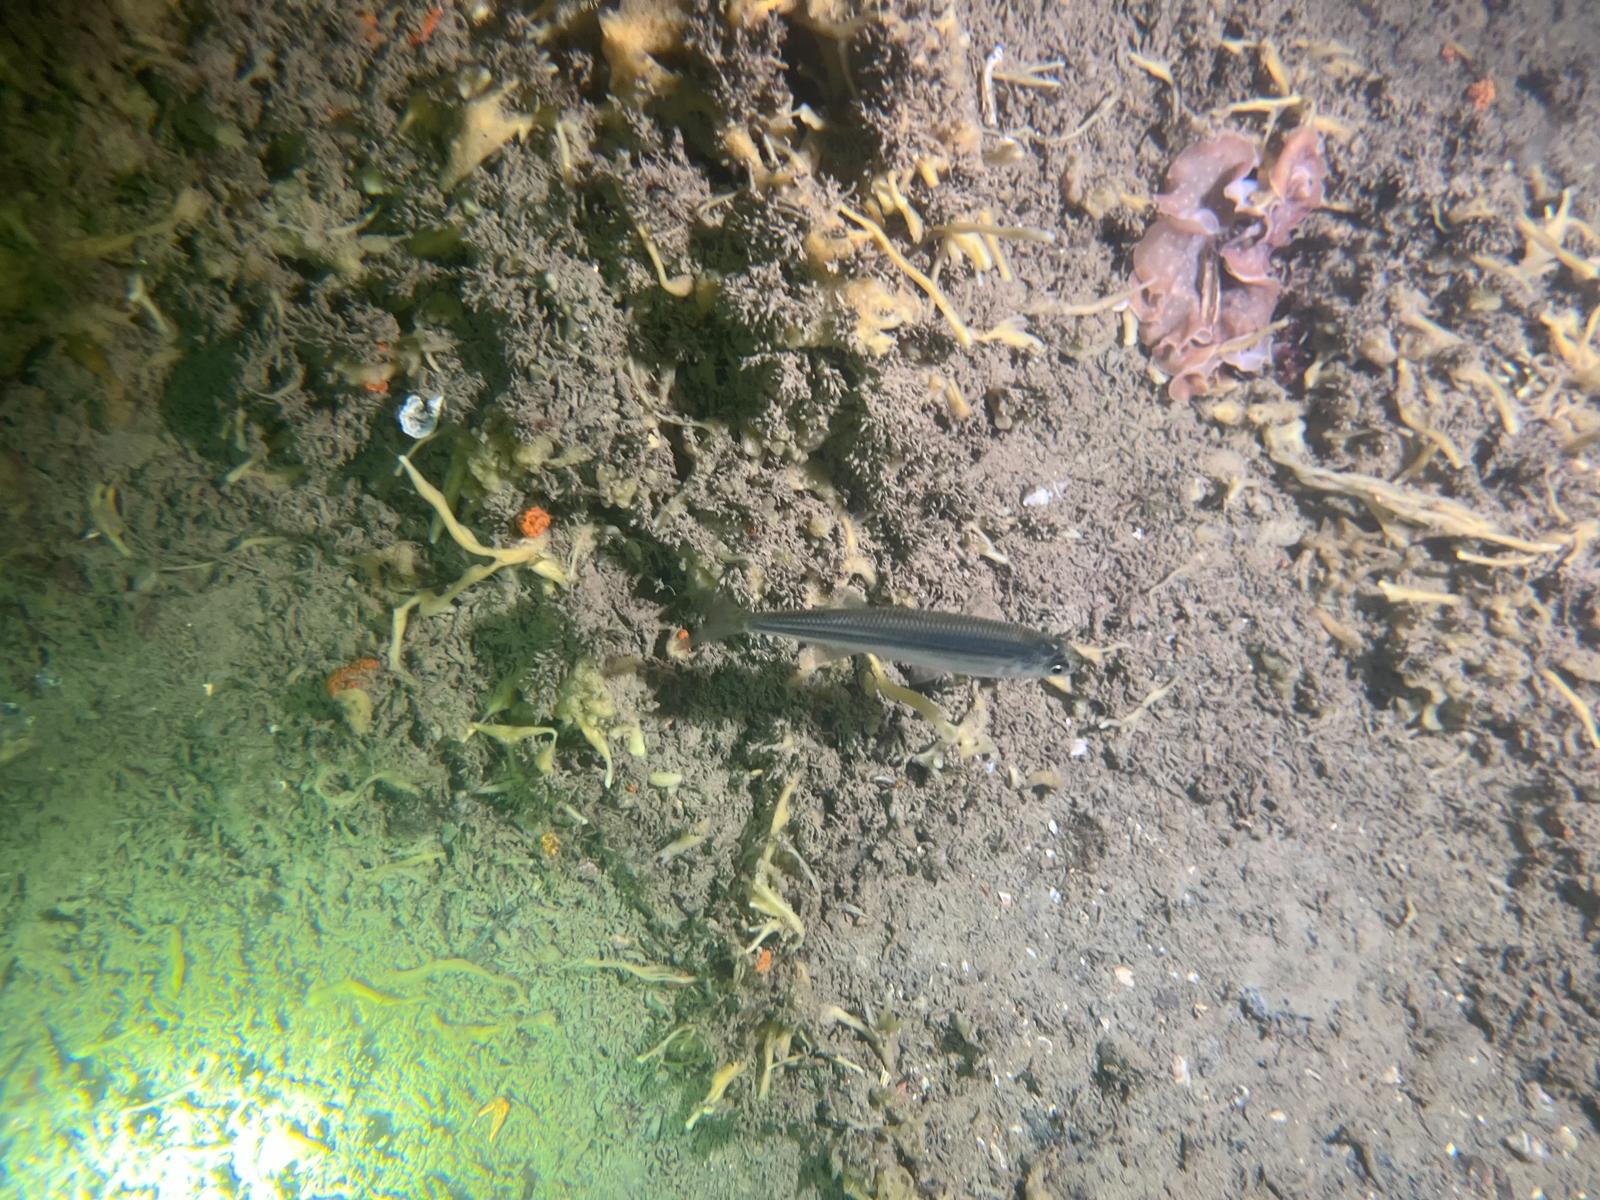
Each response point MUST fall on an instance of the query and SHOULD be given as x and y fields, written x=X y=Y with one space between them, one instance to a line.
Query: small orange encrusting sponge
x=533 y=522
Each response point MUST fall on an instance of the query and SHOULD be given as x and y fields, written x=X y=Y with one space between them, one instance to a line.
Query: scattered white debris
x=1124 y=975
x=1044 y=493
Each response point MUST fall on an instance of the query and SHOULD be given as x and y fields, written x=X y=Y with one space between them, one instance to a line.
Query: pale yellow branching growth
x=878 y=312
x=966 y=244
x=1512 y=561
x=1097 y=655
x=529 y=552
x=1128 y=720
x=968 y=738
x=780 y=817
x=1271 y=62
x=586 y=704
x=775 y=1042
x=1031 y=75
x=451 y=966
x=928 y=286
x=1396 y=594
x=929 y=167
x=888 y=197
x=544 y=757
x=1576 y=346
x=661 y=1047
x=1286 y=446
x=765 y=896
x=486 y=125
x=924 y=707
x=854 y=561
x=1427 y=337
x=765 y=899
x=1013 y=332
x=1271 y=105
x=105 y=511
x=1579 y=705
x=946 y=390
x=1583 y=533
x=1477 y=379
x=972 y=738
x=399 y=620
x=1506 y=271
x=1545 y=244
x=834 y=1015
x=975 y=539
x=510 y=735
x=1153 y=67
x=682 y=844
x=681 y=286
x=1416 y=419
x=1016 y=233
x=1117 y=300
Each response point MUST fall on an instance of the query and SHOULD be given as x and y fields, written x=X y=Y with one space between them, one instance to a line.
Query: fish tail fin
x=725 y=618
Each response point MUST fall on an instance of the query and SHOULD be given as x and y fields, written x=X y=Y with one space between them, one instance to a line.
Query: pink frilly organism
x=1203 y=288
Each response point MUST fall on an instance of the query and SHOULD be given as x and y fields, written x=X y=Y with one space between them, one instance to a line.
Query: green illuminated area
x=216 y=991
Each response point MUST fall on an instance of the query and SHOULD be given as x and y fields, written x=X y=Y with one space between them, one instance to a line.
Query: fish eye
x=1058 y=665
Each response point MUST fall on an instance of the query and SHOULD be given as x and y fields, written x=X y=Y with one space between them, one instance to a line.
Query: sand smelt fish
x=941 y=642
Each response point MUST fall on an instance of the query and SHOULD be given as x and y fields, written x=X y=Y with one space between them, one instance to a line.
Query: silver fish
x=942 y=642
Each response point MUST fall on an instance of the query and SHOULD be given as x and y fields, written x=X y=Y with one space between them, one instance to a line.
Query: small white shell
x=418 y=416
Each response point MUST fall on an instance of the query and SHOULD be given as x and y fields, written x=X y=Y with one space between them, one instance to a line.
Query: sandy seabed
x=357 y=844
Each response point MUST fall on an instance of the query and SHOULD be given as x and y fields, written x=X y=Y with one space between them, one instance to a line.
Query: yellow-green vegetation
x=766 y=884
x=586 y=704
x=544 y=757
x=967 y=740
x=338 y=799
x=583 y=702
x=1466 y=627
x=648 y=972
x=725 y=1075
x=528 y=552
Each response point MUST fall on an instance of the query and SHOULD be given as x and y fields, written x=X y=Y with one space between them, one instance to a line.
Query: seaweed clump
x=1203 y=288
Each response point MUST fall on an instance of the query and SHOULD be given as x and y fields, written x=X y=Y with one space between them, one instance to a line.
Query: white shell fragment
x=1046 y=493
x=418 y=416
